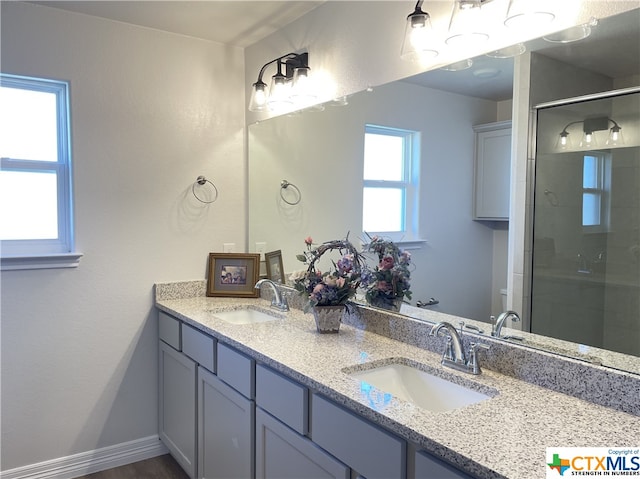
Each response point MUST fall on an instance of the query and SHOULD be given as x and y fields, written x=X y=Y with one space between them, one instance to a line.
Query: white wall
x=150 y=112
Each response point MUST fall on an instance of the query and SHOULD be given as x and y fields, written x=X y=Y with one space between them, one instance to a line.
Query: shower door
x=585 y=284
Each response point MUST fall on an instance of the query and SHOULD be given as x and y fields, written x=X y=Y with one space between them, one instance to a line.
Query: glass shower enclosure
x=585 y=285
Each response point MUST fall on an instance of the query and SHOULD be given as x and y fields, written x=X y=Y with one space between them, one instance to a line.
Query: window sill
x=52 y=261
x=407 y=244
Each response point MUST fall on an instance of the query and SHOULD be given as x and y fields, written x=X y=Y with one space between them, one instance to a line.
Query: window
x=594 y=191
x=35 y=174
x=391 y=183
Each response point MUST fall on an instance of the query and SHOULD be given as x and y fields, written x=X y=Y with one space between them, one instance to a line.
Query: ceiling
x=238 y=23
x=612 y=49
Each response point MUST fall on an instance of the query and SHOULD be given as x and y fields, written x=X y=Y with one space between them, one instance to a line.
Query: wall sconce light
x=466 y=25
x=290 y=85
x=418 y=36
x=589 y=128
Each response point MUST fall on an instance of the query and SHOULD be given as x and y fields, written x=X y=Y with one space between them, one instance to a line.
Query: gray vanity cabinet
x=428 y=467
x=282 y=421
x=177 y=406
x=371 y=451
x=225 y=430
x=281 y=453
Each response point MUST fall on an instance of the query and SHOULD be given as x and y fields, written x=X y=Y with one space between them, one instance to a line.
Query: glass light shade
x=458 y=66
x=279 y=93
x=418 y=38
x=527 y=15
x=564 y=141
x=615 y=137
x=466 y=26
x=589 y=140
x=302 y=89
x=508 y=52
x=573 y=34
x=259 y=96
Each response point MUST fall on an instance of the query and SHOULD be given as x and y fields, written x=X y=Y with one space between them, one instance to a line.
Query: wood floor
x=161 y=467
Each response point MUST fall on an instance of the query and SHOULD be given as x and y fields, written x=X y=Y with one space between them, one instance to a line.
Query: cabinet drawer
x=374 y=453
x=428 y=466
x=169 y=330
x=283 y=398
x=199 y=347
x=237 y=370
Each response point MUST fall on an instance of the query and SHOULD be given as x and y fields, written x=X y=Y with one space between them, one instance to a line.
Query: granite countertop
x=505 y=436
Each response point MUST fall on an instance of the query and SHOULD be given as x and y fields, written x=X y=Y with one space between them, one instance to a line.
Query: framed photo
x=275 y=269
x=233 y=274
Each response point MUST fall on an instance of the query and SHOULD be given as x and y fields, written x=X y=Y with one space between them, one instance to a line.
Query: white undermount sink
x=419 y=387
x=245 y=316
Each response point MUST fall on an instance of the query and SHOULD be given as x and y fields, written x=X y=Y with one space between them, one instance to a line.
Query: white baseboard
x=91 y=461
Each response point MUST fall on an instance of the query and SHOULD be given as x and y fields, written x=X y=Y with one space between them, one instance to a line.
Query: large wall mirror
x=459 y=260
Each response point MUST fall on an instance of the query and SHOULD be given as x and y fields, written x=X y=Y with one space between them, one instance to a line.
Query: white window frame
x=410 y=184
x=45 y=253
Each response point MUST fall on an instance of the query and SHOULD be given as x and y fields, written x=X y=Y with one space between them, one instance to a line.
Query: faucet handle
x=473 y=364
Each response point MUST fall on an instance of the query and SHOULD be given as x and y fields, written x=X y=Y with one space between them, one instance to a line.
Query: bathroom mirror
x=458 y=261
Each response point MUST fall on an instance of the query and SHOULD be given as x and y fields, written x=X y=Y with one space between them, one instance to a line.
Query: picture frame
x=274 y=266
x=233 y=275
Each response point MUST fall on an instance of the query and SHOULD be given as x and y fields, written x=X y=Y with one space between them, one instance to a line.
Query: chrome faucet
x=453 y=355
x=497 y=324
x=453 y=351
x=279 y=301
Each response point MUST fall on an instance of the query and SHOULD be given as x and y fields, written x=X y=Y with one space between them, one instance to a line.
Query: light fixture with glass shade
x=573 y=34
x=523 y=15
x=589 y=138
x=290 y=86
x=466 y=26
x=418 y=36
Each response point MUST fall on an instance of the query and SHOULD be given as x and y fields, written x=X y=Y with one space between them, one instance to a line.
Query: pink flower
x=318 y=287
x=386 y=263
x=340 y=282
x=308 y=240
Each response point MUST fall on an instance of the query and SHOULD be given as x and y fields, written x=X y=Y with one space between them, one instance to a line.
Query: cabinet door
x=428 y=467
x=492 y=171
x=281 y=453
x=177 y=406
x=225 y=430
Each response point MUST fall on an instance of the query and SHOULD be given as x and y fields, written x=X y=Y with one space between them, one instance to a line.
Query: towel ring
x=284 y=184
x=201 y=181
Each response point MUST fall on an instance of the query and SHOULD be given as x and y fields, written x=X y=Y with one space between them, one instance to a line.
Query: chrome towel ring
x=284 y=184
x=201 y=181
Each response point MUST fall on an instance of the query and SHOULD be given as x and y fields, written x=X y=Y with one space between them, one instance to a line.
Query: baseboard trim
x=91 y=461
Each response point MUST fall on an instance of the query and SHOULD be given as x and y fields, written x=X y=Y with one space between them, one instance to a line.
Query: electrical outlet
x=229 y=248
x=261 y=247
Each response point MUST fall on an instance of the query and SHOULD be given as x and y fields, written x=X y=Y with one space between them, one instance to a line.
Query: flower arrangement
x=388 y=282
x=333 y=287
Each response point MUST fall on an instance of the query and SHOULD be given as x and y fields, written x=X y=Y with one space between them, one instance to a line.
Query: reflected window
x=390 y=186
x=594 y=191
x=35 y=183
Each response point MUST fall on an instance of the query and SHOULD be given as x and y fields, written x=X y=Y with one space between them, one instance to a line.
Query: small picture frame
x=275 y=269
x=233 y=274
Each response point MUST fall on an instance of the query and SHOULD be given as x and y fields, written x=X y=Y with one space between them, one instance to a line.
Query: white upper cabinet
x=492 y=171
